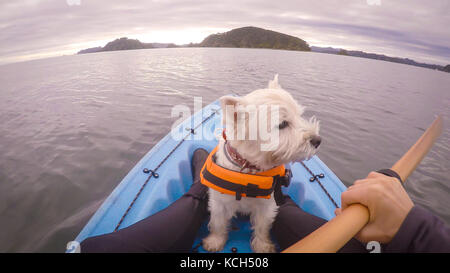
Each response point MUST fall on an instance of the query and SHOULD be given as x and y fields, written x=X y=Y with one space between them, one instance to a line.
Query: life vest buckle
x=286 y=179
x=249 y=190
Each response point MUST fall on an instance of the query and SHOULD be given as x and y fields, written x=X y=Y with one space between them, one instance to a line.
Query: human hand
x=388 y=205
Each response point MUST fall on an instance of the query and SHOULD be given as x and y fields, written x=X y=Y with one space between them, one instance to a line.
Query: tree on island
x=343 y=52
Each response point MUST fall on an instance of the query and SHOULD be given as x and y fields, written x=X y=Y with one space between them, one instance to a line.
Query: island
x=362 y=54
x=253 y=37
x=125 y=44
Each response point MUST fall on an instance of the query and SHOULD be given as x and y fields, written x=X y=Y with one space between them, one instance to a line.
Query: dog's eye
x=283 y=124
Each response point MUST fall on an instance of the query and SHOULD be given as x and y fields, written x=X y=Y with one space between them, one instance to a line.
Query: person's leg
x=170 y=230
x=293 y=224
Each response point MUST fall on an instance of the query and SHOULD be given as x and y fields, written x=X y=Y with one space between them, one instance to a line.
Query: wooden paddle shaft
x=334 y=234
x=409 y=161
x=343 y=228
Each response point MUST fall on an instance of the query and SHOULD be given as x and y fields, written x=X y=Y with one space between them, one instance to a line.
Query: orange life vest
x=259 y=185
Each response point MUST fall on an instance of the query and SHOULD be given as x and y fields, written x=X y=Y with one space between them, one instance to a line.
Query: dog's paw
x=262 y=246
x=214 y=243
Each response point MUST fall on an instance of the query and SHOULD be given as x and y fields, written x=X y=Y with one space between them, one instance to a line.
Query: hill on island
x=125 y=44
x=253 y=37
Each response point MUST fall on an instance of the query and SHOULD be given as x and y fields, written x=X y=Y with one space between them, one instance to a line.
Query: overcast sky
x=417 y=29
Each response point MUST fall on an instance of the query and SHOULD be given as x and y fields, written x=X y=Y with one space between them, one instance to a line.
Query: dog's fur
x=293 y=145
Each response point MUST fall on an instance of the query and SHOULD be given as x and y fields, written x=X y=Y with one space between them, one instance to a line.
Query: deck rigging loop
x=153 y=172
x=315 y=177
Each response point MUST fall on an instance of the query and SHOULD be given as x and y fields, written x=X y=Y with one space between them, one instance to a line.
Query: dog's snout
x=315 y=141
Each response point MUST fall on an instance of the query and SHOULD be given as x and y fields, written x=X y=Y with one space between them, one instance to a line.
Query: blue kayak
x=164 y=174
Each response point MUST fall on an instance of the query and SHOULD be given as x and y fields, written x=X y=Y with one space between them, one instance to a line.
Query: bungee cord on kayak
x=153 y=173
x=315 y=177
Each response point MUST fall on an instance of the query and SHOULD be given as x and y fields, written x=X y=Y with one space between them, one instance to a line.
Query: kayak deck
x=171 y=161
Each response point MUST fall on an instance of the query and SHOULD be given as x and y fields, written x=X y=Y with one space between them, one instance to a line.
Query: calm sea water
x=72 y=127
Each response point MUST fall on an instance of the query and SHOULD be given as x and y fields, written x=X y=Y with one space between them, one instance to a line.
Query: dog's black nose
x=315 y=141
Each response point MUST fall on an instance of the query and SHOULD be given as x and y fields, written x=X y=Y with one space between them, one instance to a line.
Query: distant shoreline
x=253 y=37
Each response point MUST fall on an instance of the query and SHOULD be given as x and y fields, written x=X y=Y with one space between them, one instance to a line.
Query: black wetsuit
x=174 y=229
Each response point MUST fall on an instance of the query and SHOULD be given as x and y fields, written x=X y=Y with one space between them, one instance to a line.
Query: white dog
x=296 y=139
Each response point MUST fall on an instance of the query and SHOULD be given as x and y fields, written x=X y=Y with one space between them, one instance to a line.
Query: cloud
x=413 y=29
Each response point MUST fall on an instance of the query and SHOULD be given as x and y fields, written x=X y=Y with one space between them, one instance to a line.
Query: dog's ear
x=229 y=105
x=228 y=101
x=273 y=84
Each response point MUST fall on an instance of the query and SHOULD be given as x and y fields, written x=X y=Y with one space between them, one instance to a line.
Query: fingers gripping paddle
x=334 y=234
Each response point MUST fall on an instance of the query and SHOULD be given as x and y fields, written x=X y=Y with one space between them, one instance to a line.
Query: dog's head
x=267 y=128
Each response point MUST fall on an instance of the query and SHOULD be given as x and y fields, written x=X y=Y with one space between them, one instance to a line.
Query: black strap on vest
x=252 y=190
x=281 y=181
